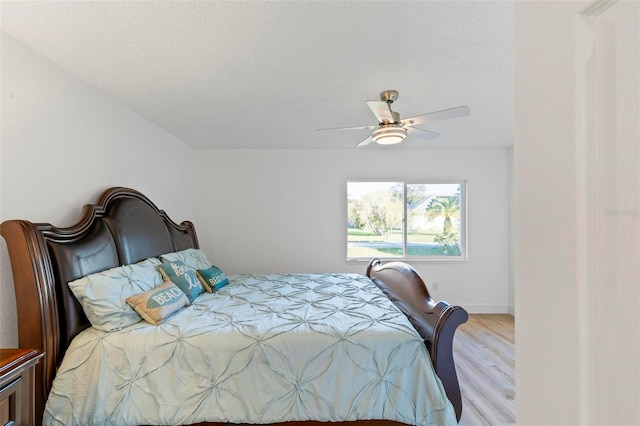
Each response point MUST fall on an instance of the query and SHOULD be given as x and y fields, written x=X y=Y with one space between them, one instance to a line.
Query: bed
x=126 y=228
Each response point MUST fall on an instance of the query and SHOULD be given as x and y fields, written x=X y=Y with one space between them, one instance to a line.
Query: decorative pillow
x=157 y=304
x=184 y=277
x=212 y=278
x=103 y=295
x=193 y=258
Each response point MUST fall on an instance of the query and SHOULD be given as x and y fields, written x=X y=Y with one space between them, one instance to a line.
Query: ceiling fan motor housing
x=389 y=96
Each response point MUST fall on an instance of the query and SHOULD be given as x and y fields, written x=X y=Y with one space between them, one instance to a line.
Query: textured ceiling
x=267 y=74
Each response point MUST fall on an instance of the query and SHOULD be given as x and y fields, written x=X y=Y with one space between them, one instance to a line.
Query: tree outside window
x=418 y=221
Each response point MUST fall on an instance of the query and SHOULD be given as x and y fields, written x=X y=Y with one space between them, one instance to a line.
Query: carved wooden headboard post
x=38 y=325
x=123 y=227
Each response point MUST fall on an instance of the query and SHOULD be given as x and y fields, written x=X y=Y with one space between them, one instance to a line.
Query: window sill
x=356 y=260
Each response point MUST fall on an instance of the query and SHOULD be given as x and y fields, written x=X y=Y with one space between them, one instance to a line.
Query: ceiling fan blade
x=444 y=114
x=367 y=141
x=382 y=111
x=422 y=134
x=350 y=128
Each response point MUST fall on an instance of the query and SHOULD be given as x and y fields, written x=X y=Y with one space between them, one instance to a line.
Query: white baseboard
x=479 y=308
x=512 y=310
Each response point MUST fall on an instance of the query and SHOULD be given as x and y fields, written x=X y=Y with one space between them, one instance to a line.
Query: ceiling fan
x=391 y=130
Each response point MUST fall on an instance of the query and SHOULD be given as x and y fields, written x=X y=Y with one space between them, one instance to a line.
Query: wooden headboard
x=123 y=227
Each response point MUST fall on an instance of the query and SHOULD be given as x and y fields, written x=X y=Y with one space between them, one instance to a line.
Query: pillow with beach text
x=213 y=279
x=157 y=304
x=184 y=277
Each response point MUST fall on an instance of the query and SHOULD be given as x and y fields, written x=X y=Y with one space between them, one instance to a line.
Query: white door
x=612 y=196
x=577 y=212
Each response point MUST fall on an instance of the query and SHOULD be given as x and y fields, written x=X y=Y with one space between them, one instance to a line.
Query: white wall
x=285 y=211
x=545 y=208
x=512 y=276
x=63 y=142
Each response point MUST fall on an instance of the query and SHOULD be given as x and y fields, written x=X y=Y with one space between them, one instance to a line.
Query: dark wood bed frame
x=125 y=227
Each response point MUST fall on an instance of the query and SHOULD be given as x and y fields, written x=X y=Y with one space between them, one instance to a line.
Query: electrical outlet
x=436 y=286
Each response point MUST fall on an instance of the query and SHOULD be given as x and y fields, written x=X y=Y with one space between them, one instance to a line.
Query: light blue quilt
x=263 y=349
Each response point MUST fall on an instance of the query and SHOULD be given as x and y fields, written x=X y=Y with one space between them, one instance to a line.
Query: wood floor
x=485 y=360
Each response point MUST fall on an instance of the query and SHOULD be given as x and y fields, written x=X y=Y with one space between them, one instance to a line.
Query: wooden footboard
x=436 y=321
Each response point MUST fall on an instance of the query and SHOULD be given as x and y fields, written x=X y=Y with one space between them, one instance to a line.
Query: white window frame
x=464 y=255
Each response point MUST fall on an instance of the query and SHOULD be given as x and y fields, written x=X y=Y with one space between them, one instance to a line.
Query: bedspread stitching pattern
x=263 y=349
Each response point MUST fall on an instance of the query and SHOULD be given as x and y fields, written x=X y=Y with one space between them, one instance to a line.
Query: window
x=398 y=220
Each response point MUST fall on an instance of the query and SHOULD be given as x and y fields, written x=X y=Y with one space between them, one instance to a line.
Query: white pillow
x=103 y=295
x=193 y=258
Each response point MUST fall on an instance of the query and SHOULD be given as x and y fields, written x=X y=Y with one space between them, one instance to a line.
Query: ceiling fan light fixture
x=389 y=135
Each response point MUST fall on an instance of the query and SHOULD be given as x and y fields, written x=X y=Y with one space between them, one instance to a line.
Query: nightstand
x=17 y=385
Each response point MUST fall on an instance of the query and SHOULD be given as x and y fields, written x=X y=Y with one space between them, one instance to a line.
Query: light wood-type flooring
x=485 y=360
